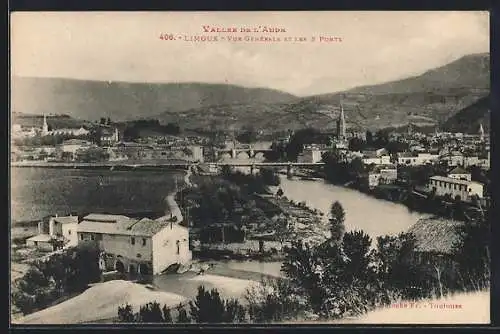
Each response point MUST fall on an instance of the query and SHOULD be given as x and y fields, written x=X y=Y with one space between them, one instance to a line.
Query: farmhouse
x=137 y=246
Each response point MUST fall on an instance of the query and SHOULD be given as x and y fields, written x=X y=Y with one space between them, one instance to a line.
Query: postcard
x=250 y=167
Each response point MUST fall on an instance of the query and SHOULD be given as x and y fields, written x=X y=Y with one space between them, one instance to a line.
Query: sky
x=375 y=47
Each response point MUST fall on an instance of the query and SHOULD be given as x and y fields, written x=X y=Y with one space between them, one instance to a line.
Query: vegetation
x=227 y=199
x=59 y=275
x=134 y=129
x=207 y=307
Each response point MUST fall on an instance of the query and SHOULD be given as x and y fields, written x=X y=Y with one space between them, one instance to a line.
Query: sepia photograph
x=314 y=167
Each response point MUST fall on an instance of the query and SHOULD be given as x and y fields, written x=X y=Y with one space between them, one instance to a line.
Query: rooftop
x=436 y=235
x=66 y=220
x=458 y=170
x=116 y=224
x=452 y=180
x=40 y=238
x=75 y=142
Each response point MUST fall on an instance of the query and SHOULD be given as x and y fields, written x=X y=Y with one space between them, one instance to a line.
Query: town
x=238 y=183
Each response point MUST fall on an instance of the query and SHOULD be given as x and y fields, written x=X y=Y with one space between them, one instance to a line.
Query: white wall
x=476 y=189
x=69 y=232
x=121 y=245
x=460 y=176
x=165 y=247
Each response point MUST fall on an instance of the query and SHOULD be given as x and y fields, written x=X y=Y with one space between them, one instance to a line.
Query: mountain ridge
x=429 y=98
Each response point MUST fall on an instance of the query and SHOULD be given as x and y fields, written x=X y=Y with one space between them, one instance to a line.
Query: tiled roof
x=148 y=227
x=458 y=170
x=436 y=235
x=105 y=217
x=115 y=224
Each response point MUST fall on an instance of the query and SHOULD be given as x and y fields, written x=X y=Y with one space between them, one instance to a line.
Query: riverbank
x=104 y=164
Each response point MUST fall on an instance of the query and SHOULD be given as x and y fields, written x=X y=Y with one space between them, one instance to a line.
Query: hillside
x=91 y=100
x=54 y=121
x=468 y=119
x=424 y=100
x=429 y=98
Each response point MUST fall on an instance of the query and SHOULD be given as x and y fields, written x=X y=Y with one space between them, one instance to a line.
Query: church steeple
x=481 y=131
x=45 y=128
x=341 y=124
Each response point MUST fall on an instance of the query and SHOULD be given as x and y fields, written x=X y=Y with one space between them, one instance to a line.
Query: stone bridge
x=248 y=150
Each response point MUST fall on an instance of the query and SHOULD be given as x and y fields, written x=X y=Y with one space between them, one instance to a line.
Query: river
x=362 y=212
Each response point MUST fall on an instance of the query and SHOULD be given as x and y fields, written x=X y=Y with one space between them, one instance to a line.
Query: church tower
x=45 y=128
x=341 y=124
x=481 y=132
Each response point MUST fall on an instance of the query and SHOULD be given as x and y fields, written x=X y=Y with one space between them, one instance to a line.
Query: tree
x=399 y=273
x=369 y=139
x=356 y=144
x=182 y=316
x=274 y=300
x=208 y=306
x=234 y=312
x=167 y=316
x=125 y=313
x=337 y=217
x=151 y=312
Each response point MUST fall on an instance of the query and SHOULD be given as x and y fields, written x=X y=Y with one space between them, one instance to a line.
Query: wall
x=121 y=245
x=443 y=188
x=476 y=189
x=165 y=247
x=460 y=176
x=55 y=228
x=69 y=232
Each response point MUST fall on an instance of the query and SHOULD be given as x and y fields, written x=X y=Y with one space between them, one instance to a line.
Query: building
x=310 y=155
x=41 y=241
x=81 y=131
x=109 y=136
x=463 y=189
x=64 y=228
x=459 y=174
x=142 y=246
x=73 y=145
x=419 y=159
x=373 y=157
x=388 y=175
x=381 y=175
x=453 y=158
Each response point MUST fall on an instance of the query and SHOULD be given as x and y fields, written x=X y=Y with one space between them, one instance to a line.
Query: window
x=132 y=241
x=178 y=247
x=144 y=241
x=92 y=237
x=69 y=232
x=81 y=236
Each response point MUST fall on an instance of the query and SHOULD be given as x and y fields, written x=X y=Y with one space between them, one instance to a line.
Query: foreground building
x=142 y=246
